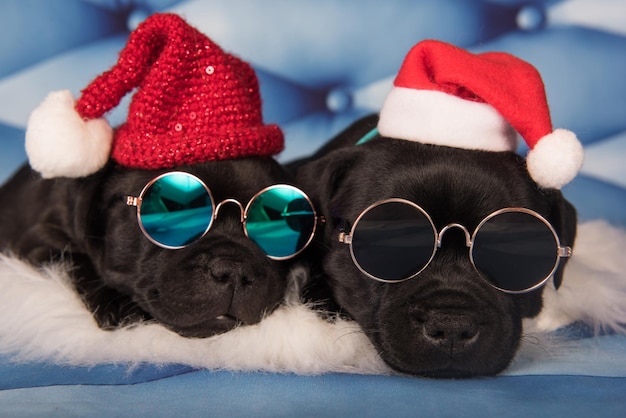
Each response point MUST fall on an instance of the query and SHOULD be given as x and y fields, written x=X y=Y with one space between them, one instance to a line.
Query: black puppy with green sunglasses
x=151 y=245
x=437 y=253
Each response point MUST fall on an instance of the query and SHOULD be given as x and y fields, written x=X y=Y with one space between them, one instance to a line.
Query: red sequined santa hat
x=194 y=103
x=445 y=95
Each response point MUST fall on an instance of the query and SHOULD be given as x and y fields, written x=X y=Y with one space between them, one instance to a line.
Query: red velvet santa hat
x=193 y=103
x=445 y=95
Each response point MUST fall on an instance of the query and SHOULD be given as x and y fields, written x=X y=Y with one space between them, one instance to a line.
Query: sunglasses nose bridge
x=234 y=201
x=468 y=238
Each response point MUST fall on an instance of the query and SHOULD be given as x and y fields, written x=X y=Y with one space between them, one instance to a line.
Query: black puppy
x=208 y=287
x=447 y=321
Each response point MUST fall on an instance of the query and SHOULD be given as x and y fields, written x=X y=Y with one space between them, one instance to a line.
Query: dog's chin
x=209 y=323
x=213 y=326
x=446 y=365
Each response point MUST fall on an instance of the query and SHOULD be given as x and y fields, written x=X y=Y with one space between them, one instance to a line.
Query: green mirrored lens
x=281 y=221
x=176 y=209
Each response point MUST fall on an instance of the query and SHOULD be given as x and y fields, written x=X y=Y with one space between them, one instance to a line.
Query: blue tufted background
x=322 y=64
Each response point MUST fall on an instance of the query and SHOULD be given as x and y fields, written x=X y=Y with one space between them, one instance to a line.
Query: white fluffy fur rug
x=42 y=319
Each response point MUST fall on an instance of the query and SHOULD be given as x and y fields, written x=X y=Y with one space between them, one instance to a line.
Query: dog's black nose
x=224 y=270
x=451 y=332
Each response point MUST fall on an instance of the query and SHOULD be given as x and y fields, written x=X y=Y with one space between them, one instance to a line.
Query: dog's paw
x=119 y=313
x=112 y=309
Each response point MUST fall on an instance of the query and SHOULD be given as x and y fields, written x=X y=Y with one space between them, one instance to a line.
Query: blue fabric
x=59 y=28
x=13 y=153
x=203 y=393
x=597 y=199
x=322 y=64
x=586 y=377
x=15 y=375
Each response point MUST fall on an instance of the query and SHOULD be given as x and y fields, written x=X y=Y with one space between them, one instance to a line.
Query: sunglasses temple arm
x=345 y=237
x=131 y=200
x=565 y=252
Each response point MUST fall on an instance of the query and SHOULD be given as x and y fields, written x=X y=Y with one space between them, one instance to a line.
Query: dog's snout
x=451 y=332
x=232 y=271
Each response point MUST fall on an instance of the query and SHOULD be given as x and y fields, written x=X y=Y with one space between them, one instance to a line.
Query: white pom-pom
x=59 y=143
x=556 y=159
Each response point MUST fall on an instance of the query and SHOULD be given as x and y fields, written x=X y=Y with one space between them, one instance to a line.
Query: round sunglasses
x=176 y=209
x=515 y=250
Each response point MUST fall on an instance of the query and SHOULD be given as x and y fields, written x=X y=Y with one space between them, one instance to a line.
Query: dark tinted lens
x=176 y=209
x=515 y=251
x=281 y=221
x=393 y=241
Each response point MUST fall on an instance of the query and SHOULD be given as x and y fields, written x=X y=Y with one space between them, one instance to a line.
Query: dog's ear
x=564 y=220
x=81 y=209
x=345 y=139
x=63 y=225
x=322 y=173
x=349 y=136
x=321 y=178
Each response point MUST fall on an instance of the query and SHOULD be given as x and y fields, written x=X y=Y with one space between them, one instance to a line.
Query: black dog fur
x=446 y=322
x=208 y=287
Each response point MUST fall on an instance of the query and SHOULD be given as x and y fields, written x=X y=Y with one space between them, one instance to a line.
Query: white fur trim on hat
x=59 y=143
x=555 y=159
x=438 y=118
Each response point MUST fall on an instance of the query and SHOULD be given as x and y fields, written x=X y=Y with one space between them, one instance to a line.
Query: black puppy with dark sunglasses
x=217 y=277
x=419 y=273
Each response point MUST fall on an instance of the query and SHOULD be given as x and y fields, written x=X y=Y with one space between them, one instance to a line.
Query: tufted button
x=338 y=100
x=531 y=17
